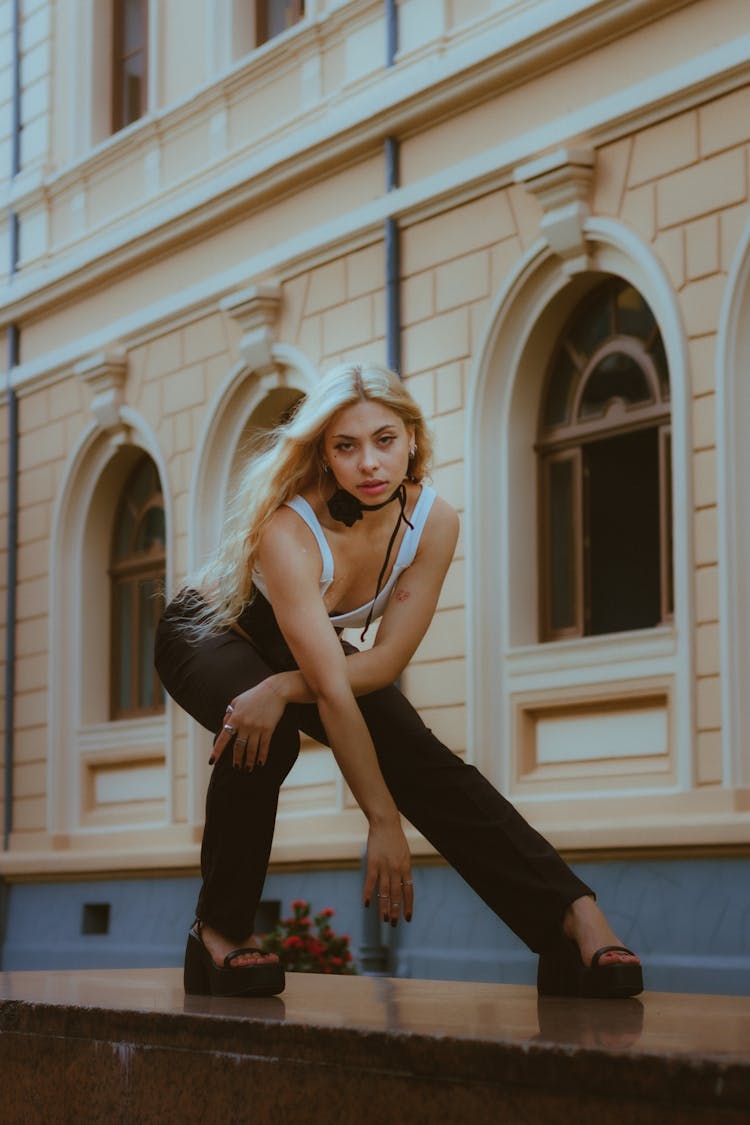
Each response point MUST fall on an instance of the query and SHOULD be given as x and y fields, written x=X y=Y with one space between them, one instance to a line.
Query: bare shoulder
x=285 y=536
x=440 y=535
x=443 y=519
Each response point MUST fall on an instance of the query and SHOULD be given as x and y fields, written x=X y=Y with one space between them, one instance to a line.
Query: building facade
x=539 y=213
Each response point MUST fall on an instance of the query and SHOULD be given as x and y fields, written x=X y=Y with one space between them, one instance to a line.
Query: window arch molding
x=244 y=395
x=94 y=474
x=733 y=471
x=501 y=523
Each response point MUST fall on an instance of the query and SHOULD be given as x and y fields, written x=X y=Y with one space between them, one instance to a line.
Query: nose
x=368 y=461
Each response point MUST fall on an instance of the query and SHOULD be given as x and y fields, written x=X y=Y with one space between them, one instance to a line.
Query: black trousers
x=515 y=870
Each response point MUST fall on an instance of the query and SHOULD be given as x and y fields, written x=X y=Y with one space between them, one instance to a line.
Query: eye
x=387 y=439
x=344 y=446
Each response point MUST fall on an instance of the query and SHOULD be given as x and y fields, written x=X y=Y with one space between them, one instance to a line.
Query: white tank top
x=356 y=618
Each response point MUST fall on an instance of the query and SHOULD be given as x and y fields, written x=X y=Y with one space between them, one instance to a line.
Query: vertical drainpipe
x=392 y=248
x=12 y=401
x=374 y=956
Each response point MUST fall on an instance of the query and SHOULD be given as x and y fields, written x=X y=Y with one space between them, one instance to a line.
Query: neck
x=348 y=509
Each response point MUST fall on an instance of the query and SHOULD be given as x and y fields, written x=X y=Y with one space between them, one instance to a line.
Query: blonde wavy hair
x=289 y=460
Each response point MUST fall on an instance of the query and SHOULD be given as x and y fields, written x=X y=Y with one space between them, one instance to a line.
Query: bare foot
x=590 y=930
x=219 y=946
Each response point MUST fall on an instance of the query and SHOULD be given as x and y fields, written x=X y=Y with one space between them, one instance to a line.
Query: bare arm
x=293 y=574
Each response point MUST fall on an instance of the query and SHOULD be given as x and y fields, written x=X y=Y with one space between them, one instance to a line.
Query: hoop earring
x=413 y=451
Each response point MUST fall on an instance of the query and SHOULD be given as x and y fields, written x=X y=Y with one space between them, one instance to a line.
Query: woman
x=332 y=527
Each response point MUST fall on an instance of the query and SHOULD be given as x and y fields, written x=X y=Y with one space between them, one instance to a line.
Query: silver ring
x=406 y=883
x=227 y=727
x=229 y=708
x=240 y=742
x=384 y=896
x=398 y=903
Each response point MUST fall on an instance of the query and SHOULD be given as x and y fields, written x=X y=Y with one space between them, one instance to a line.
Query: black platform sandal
x=203 y=977
x=561 y=972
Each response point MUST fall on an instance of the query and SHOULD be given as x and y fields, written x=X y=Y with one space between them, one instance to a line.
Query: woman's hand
x=254 y=715
x=389 y=867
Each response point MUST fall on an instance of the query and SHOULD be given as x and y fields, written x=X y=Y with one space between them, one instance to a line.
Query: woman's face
x=367 y=448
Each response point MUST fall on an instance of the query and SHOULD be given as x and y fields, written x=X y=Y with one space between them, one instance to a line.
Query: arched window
x=137 y=572
x=604 y=464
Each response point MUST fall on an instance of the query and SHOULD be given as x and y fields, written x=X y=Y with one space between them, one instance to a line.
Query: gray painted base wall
x=688 y=919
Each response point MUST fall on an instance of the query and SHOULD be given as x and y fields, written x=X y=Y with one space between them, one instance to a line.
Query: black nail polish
x=385 y=917
x=210 y=761
x=367 y=902
x=394 y=922
x=408 y=917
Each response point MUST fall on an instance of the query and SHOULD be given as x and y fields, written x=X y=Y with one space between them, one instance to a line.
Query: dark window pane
x=151 y=531
x=562 y=544
x=281 y=15
x=137 y=570
x=132 y=90
x=633 y=317
x=123 y=546
x=123 y=623
x=129 y=61
x=150 y=604
x=594 y=325
x=616 y=376
x=559 y=390
x=134 y=25
x=623 y=565
x=143 y=483
x=667 y=530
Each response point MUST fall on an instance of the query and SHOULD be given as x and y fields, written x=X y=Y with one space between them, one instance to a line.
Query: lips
x=373 y=487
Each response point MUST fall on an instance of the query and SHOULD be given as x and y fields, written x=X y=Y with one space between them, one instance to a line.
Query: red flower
x=302 y=949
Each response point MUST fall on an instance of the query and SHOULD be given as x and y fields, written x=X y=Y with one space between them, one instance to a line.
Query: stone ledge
x=128 y=1045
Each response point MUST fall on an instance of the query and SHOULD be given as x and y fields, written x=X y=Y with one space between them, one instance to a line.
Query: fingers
x=371 y=879
x=247 y=749
x=223 y=737
x=396 y=899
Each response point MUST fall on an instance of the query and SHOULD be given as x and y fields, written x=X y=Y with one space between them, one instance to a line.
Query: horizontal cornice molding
x=291 y=164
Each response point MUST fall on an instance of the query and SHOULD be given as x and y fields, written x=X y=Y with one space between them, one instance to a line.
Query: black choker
x=348 y=509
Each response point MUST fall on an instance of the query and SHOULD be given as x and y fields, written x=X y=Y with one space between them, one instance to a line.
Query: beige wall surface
x=181 y=281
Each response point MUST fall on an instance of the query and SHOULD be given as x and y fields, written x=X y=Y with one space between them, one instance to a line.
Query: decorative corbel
x=561 y=181
x=256 y=310
x=105 y=373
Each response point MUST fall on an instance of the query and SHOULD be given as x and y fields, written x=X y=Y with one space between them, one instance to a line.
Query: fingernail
x=408 y=917
x=210 y=761
x=385 y=917
x=367 y=902
x=394 y=922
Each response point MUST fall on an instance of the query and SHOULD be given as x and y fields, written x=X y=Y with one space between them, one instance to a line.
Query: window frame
x=569 y=439
x=119 y=58
x=133 y=570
